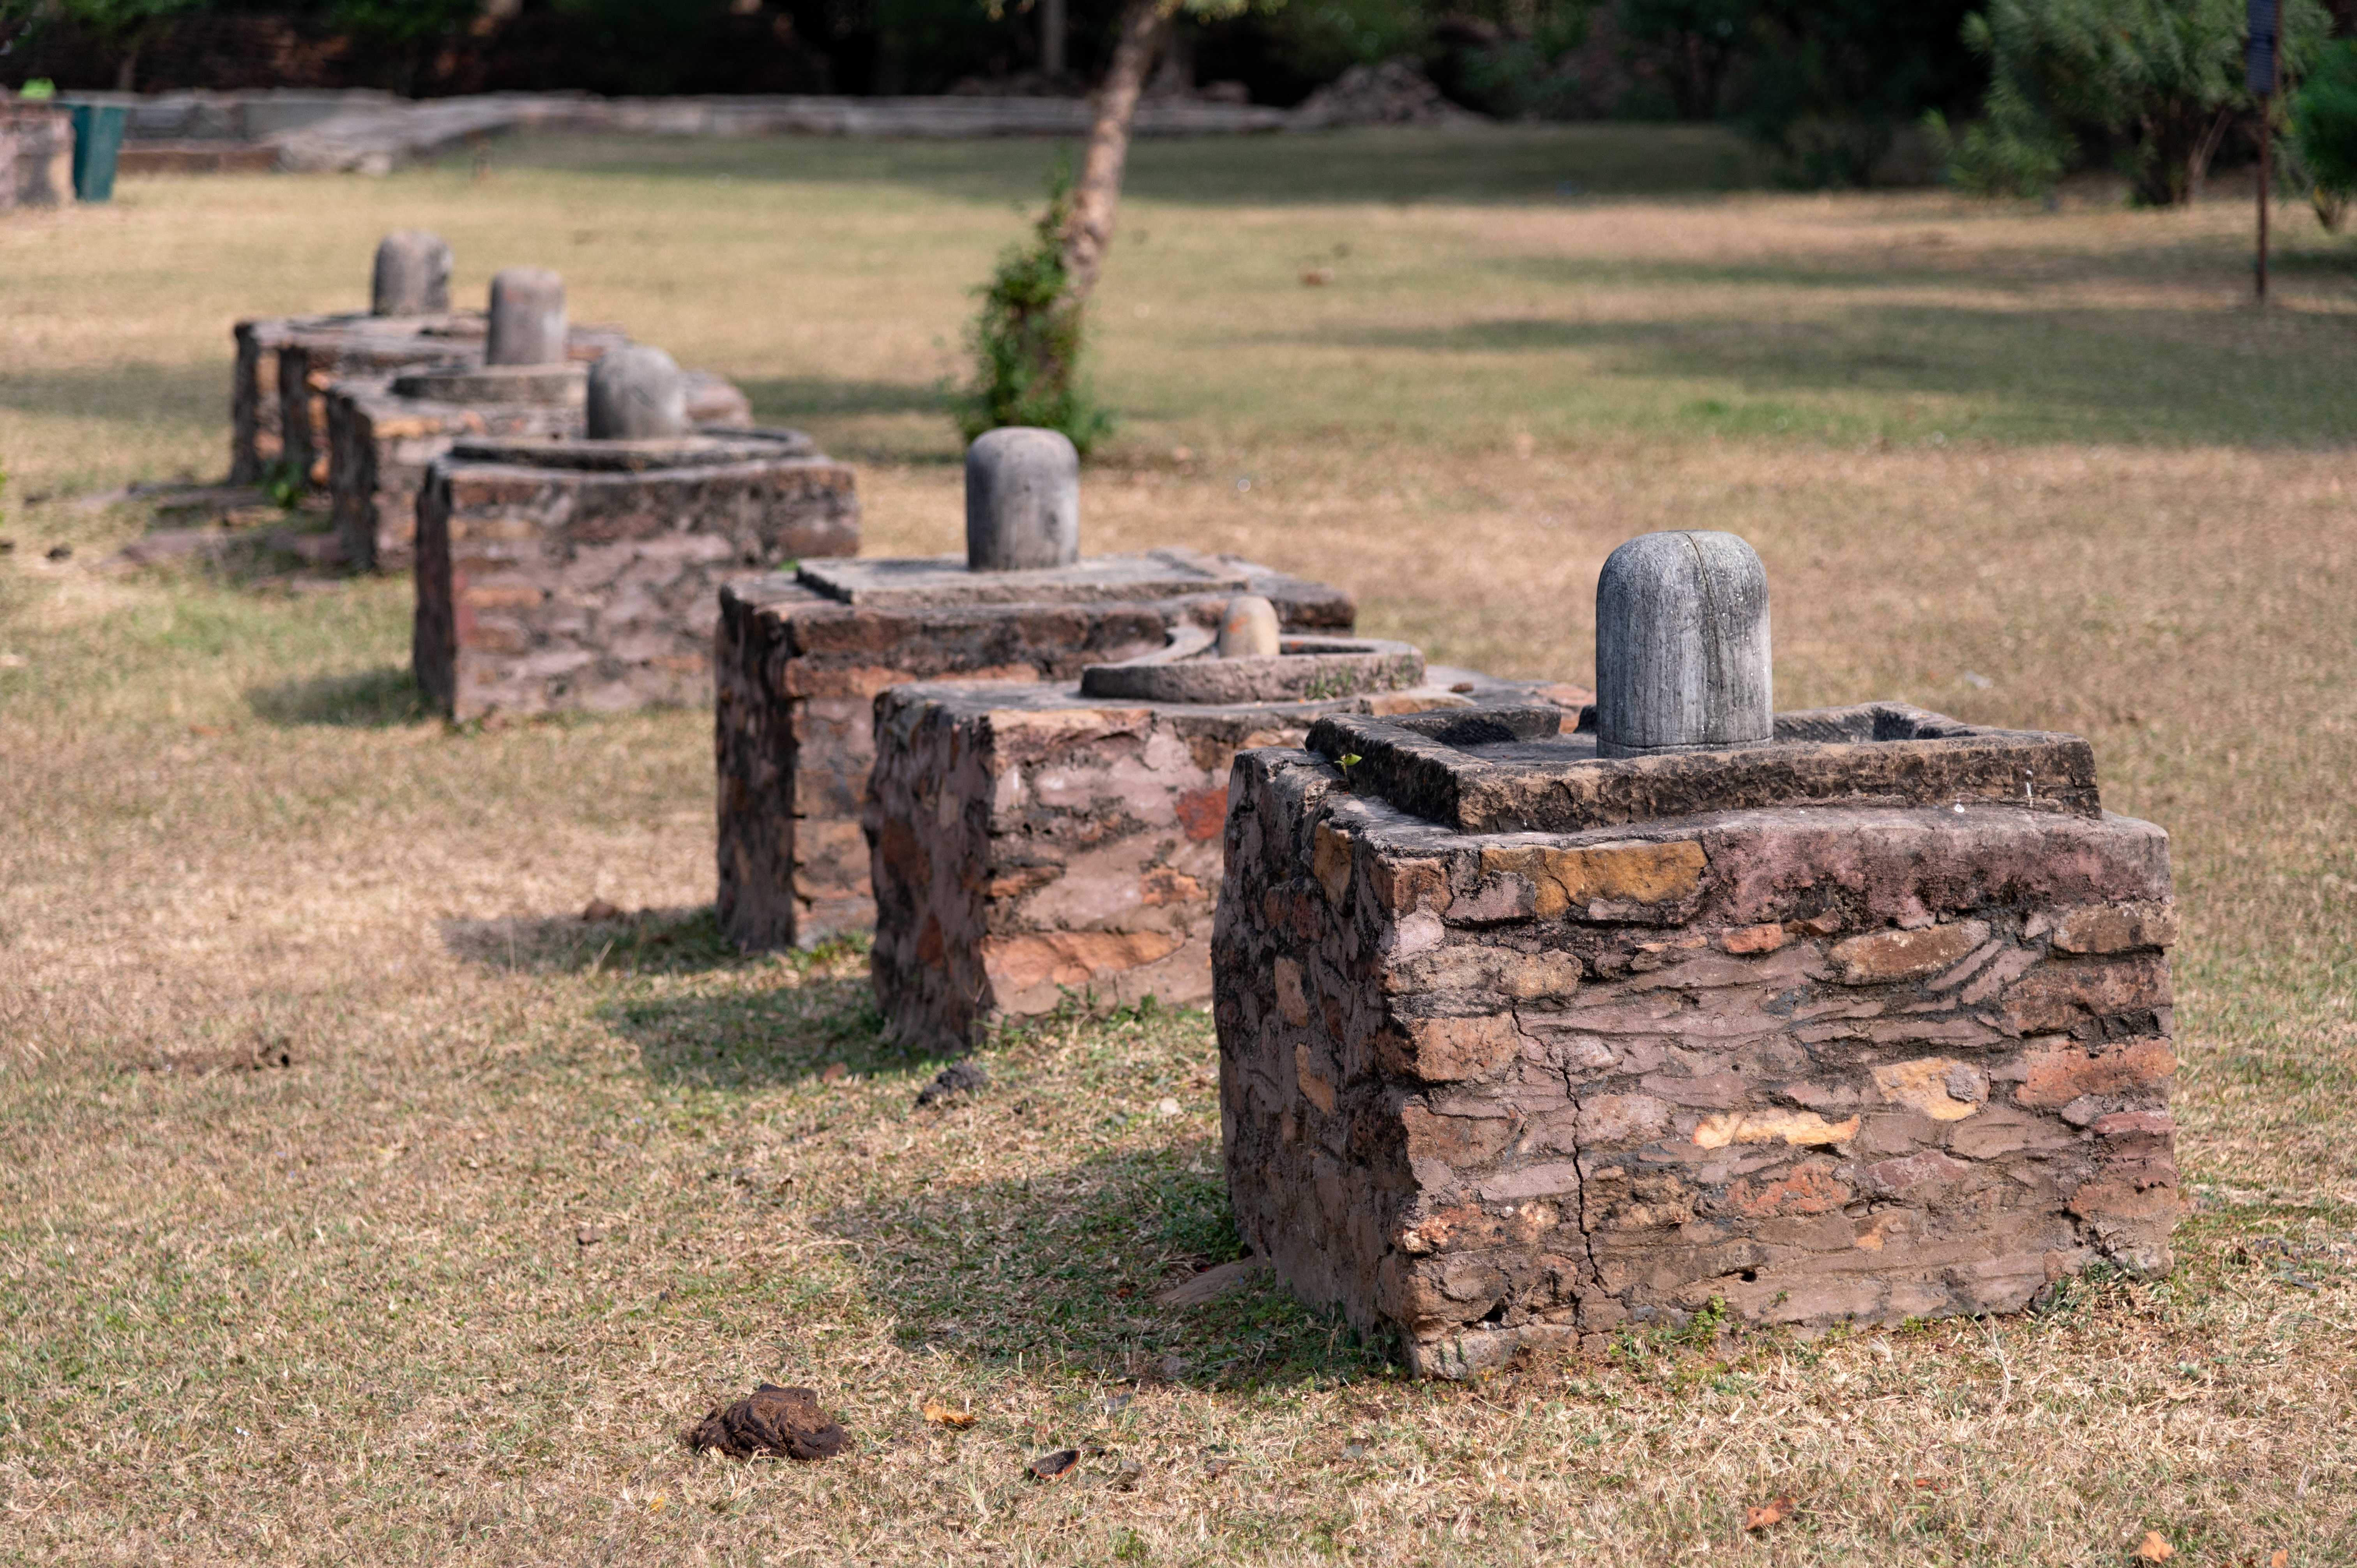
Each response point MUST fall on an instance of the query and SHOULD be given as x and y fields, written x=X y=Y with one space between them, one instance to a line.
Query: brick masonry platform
x=1029 y=841
x=1520 y=1045
x=800 y=659
x=544 y=584
x=381 y=442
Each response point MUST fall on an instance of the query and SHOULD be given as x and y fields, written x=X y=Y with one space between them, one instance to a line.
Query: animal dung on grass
x=958 y=1077
x=1522 y=1042
x=775 y=1422
x=1054 y=1467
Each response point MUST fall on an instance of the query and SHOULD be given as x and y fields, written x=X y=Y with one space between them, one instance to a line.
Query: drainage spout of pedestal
x=527 y=317
x=1022 y=500
x=412 y=277
x=1681 y=648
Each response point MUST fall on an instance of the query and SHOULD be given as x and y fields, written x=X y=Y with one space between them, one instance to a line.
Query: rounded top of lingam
x=1248 y=628
x=412 y=274
x=1682 y=645
x=528 y=322
x=1022 y=500
x=636 y=393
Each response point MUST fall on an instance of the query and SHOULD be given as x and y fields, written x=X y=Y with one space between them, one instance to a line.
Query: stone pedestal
x=800 y=659
x=36 y=150
x=1518 y=1044
x=1031 y=840
x=577 y=574
x=381 y=439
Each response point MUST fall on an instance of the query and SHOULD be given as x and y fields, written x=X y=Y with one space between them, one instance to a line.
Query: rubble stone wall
x=380 y=444
x=798 y=675
x=544 y=588
x=1824 y=1064
x=1029 y=842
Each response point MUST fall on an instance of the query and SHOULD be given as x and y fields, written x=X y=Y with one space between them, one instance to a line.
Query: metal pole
x=2267 y=145
x=1052 y=38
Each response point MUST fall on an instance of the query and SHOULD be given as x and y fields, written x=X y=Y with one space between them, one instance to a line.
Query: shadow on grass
x=2118 y=375
x=1065 y=1269
x=1487 y=165
x=824 y=1024
x=615 y=941
x=373 y=699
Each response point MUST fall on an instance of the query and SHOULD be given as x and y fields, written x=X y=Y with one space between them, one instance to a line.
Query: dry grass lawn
x=359 y=1204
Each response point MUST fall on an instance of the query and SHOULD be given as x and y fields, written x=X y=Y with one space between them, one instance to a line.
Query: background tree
x=2324 y=131
x=1028 y=338
x=2158 y=82
x=119 y=28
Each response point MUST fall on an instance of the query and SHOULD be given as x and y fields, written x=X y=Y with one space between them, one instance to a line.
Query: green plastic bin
x=98 y=142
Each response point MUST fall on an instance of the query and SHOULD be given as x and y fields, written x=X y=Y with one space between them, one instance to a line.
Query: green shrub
x=2158 y=81
x=1026 y=340
x=2324 y=131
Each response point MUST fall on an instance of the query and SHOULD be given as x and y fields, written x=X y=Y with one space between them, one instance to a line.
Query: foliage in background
x=2324 y=131
x=1829 y=82
x=2157 y=82
x=395 y=34
x=122 y=28
x=1028 y=338
x=1693 y=46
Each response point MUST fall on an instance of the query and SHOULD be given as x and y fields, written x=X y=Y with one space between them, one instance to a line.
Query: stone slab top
x=1511 y=768
x=703 y=448
x=1303 y=668
x=940 y=581
x=1058 y=706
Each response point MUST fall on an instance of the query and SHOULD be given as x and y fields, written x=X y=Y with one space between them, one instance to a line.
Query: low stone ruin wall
x=1030 y=843
x=1827 y=1064
x=380 y=444
x=548 y=588
x=798 y=673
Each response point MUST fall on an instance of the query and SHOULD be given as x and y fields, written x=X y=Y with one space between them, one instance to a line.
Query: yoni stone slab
x=1831 y=1063
x=800 y=659
x=1030 y=843
x=542 y=586
x=380 y=442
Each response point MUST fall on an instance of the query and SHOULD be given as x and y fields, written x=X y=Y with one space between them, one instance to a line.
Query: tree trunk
x=1087 y=232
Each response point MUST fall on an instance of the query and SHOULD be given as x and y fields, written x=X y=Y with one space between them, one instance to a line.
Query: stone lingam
x=802 y=659
x=528 y=377
x=1036 y=839
x=1844 y=1016
x=581 y=574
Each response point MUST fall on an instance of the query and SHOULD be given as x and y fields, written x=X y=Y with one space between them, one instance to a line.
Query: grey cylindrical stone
x=1022 y=500
x=636 y=393
x=411 y=275
x=1682 y=656
x=527 y=317
x=1248 y=628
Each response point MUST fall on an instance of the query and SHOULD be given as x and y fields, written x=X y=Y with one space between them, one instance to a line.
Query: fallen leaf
x=1316 y=277
x=833 y=1072
x=2279 y=1559
x=940 y=1415
x=1766 y=1514
x=600 y=910
x=2155 y=1549
x=588 y=1236
x=1054 y=1467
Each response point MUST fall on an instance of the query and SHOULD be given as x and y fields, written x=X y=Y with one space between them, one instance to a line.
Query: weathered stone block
x=546 y=582
x=800 y=661
x=1029 y=841
x=1826 y=1059
x=380 y=442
